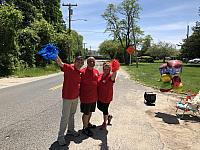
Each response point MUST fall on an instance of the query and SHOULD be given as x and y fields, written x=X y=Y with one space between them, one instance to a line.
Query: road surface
x=30 y=115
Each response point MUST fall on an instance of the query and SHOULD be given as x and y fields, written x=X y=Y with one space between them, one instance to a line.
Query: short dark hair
x=79 y=58
x=106 y=63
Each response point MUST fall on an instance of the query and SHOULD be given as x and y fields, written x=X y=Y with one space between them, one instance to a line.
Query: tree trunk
x=126 y=58
x=163 y=59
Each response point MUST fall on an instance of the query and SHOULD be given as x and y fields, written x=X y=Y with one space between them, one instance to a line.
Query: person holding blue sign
x=70 y=89
x=70 y=94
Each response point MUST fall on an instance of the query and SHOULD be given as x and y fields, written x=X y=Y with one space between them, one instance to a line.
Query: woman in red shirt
x=105 y=91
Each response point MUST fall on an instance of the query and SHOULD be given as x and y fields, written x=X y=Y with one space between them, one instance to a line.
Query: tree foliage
x=10 y=21
x=29 y=11
x=25 y=26
x=145 y=44
x=28 y=42
x=191 y=46
x=109 y=47
x=162 y=50
x=122 y=23
x=52 y=11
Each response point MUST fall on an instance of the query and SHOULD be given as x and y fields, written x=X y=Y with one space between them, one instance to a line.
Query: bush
x=147 y=59
x=10 y=21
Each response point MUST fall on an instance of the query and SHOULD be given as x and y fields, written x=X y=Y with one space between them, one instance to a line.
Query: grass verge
x=39 y=71
x=148 y=74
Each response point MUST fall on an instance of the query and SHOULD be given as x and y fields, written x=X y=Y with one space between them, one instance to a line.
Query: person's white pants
x=67 y=118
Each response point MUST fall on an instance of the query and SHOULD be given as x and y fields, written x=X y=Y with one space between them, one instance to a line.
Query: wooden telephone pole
x=70 y=13
x=187 y=31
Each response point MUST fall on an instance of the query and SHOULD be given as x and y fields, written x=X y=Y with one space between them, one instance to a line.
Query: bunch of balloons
x=170 y=73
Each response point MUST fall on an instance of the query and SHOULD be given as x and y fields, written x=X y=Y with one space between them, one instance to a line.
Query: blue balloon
x=49 y=52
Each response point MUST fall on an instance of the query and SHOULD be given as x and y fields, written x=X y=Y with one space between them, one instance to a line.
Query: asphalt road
x=30 y=115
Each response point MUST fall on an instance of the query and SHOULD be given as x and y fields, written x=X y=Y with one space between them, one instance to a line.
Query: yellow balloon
x=165 y=78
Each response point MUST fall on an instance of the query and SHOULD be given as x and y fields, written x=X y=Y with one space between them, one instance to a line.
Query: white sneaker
x=61 y=141
x=73 y=133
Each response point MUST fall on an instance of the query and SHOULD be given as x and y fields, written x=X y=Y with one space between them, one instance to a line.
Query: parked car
x=195 y=61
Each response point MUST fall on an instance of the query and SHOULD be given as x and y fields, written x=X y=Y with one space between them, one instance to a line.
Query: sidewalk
x=12 y=81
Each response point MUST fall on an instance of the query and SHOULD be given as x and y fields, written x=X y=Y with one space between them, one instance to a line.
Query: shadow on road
x=101 y=135
x=68 y=139
x=172 y=119
x=167 y=118
x=190 y=118
x=98 y=135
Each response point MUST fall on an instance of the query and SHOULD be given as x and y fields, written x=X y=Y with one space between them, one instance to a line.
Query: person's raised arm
x=59 y=62
x=114 y=75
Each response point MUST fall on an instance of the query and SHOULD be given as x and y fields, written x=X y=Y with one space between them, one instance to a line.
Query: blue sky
x=164 y=20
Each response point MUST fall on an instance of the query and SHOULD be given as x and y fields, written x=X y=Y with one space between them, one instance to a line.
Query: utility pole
x=187 y=31
x=90 y=50
x=70 y=13
x=84 y=49
x=84 y=45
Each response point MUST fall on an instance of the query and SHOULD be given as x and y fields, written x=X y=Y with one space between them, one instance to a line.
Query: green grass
x=34 y=72
x=148 y=74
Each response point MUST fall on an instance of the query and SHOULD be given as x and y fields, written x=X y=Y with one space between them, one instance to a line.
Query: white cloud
x=169 y=27
x=173 y=33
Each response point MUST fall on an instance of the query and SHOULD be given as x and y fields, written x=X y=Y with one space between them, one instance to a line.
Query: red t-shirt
x=105 y=88
x=71 y=84
x=88 y=89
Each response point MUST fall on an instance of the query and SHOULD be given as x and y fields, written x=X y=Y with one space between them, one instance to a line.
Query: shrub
x=147 y=59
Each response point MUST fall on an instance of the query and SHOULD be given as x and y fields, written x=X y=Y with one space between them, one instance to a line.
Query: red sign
x=130 y=49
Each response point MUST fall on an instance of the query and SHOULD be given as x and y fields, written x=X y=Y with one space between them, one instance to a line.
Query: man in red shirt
x=105 y=92
x=70 y=93
x=88 y=94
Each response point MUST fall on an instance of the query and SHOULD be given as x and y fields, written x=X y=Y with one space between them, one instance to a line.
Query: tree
x=145 y=44
x=28 y=10
x=52 y=11
x=109 y=47
x=76 y=43
x=24 y=31
x=62 y=41
x=2 y=1
x=28 y=41
x=38 y=4
x=46 y=34
x=10 y=21
x=122 y=23
x=162 y=50
x=191 y=46
x=44 y=30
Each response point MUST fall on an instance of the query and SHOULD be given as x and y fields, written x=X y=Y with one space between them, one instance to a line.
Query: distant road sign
x=130 y=49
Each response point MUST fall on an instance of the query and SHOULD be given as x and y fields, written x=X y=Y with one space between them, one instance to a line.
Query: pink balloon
x=174 y=63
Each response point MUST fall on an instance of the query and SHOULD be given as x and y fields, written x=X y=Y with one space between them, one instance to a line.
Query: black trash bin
x=149 y=98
